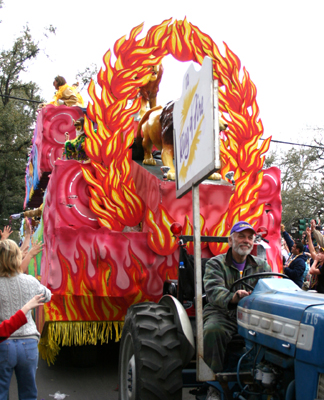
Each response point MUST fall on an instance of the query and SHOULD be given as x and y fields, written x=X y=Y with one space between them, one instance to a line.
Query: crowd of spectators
x=303 y=258
x=27 y=252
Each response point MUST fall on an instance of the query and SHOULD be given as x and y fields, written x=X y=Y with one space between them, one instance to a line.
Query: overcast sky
x=279 y=42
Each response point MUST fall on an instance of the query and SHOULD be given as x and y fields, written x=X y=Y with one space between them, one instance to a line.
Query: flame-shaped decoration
x=160 y=238
x=188 y=230
x=113 y=196
x=95 y=293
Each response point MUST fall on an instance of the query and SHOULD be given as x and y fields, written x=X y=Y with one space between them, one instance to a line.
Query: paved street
x=98 y=381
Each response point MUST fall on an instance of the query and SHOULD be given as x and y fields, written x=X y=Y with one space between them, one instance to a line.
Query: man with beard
x=221 y=272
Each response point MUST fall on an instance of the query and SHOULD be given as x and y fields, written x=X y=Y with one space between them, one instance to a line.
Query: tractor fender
x=184 y=328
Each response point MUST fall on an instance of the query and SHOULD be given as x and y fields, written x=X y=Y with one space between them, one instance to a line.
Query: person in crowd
x=318 y=237
x=306 y=276
x=9 y=326
x=26 y=253
x=284 y=251
x=295 y=265
x=305 y=242
x=220 y=312
x=316 y=270
x=19 y=352
x=24 y=248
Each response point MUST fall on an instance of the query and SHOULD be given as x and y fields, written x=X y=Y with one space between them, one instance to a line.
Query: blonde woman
x=19 y=352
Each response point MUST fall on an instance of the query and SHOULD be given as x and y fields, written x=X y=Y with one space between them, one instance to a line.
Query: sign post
x=197 y=156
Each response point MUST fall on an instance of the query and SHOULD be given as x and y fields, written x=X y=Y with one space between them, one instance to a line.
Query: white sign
x=196 y=140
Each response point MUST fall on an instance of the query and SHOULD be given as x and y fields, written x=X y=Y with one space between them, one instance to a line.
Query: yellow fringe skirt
x=56 y=334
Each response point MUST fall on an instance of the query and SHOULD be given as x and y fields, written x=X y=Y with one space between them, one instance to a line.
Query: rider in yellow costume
x=65 y=94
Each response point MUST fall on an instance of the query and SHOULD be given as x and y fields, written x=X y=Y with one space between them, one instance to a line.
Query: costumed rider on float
x=65 y=94
x=75 y=149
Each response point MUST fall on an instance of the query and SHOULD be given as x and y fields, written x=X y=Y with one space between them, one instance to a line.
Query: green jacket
x=220 y=274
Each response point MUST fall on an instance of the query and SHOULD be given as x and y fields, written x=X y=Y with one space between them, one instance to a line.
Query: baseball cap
x=241 y=226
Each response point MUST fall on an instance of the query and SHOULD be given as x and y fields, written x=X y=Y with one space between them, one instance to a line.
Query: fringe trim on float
x=76 y=333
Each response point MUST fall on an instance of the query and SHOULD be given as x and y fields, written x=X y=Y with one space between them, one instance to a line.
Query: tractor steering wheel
x=259 y=275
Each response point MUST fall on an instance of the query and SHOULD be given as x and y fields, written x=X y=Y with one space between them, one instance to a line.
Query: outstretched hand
x=6 y=232
x=36 y=248
x=36 y=301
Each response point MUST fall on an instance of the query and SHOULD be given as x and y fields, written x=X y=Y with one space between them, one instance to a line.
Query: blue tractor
x=277 y=354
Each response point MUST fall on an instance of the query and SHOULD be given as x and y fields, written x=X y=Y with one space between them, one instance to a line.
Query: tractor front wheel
x=150 y=365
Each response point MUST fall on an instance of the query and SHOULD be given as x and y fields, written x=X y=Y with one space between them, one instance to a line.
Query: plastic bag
x=58 y=395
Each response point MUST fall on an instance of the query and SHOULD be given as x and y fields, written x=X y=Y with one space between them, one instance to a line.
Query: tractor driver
x=221 y=272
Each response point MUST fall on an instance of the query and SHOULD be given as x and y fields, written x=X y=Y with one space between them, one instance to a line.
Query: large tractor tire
x=150 y=365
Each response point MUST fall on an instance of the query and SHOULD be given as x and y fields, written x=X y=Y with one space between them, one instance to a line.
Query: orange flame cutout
x=119 y=205
x=160 y=238
x=188 y=230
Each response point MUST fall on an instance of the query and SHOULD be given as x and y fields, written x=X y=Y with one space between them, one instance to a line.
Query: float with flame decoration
x=107 y=223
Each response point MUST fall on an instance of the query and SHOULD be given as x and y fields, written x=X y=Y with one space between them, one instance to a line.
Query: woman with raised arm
x=317 y=268
x=19 y=352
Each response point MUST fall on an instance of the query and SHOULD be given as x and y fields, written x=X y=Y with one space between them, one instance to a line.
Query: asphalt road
x=70 y=375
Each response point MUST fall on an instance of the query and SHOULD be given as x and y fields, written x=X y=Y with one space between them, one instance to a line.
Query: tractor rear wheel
x=150 y=365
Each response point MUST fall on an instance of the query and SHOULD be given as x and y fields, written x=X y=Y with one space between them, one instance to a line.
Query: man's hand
x=239 y=294
x=282 y=227
x=6 y=232
x=308 y=232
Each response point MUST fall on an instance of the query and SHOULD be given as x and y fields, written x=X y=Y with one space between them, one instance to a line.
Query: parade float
x=106 y=221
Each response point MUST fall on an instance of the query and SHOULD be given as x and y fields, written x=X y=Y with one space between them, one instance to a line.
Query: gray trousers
x=218 y=332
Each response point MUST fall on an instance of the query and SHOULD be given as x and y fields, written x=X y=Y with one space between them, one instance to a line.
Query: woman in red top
x=10 y=325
